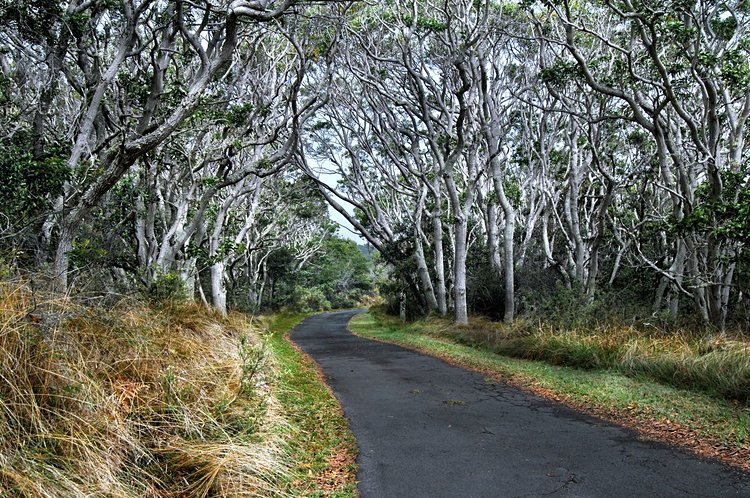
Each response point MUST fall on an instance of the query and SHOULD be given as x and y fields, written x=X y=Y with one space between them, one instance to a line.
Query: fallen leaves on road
x=340 y=470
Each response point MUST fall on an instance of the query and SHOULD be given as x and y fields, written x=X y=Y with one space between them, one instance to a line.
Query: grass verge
x=134 y=400
x=711 y=427
x=321 y=444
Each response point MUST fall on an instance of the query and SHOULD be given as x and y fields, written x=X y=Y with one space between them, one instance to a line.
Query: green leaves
x=422 y=22
x=86 y=252
x=674 y=29
x=725 y=219
x=28 y=183
x=167 y=287
x=34 y=19
x=560 y=73
x=724 y=25
x=735 y=70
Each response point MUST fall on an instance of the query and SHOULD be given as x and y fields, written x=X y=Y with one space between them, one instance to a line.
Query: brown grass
x=696 y=359
x=132 y=401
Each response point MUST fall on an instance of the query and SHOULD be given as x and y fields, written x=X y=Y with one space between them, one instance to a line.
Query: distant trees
x=337 y=275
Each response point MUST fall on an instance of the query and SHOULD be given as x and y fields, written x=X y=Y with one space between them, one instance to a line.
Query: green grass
x=690 y=356
x=604 y=390
x=323 y=448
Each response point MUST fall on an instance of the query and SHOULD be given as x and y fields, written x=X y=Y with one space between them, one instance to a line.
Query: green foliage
x=252 y=361
x=724 y=26
x=34 y=19
x=560 y=73
x=237 y=115
x=512 y=191
x=311 y=299
x=425 y=23
x=306 y=201
x=735 y=70
x=226 y=247
x=166 y=288
x=29 y=183
x=397 y=285
x=338 y=276
x=322 y=39
x=563 y=306
x=280 y=263
x=78 y=23
x=726 y=218
x=340 y=272
x=86 y=252
x=677 y=30
x=485 y=287
x=135 y=85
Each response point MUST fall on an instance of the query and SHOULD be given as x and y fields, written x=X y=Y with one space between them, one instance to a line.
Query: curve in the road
x=428 y=429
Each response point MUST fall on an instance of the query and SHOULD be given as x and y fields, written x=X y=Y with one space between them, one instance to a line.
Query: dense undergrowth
x=693 y=359
x=134 y=400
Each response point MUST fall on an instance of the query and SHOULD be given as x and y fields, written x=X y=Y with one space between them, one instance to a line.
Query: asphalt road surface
x=428 y=429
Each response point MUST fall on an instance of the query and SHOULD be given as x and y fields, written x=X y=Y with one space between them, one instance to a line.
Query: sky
x=345 y=230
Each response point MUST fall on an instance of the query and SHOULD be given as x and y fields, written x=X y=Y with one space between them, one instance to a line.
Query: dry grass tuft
x=133 y=401
x=694 y=359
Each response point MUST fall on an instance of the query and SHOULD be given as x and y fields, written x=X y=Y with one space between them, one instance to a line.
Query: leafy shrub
x=312 y=299
x=392 y=292
x=167 y=287
x=484 y=286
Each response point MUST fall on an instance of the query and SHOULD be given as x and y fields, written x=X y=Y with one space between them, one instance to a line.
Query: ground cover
x=322 y=447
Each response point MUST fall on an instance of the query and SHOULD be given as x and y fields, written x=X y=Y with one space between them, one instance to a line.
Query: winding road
x=428 y=429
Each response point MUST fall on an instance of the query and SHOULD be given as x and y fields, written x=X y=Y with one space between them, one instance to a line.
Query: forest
x=501 y=158
x=576 y=163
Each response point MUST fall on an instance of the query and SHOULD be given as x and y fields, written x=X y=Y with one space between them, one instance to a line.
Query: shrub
x=167 y=287
x=312 y=299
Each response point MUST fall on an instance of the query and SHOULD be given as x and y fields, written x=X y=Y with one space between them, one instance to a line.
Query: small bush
x=312 y=299
x=167 y=288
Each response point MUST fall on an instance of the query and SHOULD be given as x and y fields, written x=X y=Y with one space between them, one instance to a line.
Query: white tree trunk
x=461 y=310
x=441 y=293
x=218 y=287
x=424 y=275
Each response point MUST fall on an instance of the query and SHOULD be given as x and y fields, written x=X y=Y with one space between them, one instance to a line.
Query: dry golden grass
x=133 y=401
x=695 y=358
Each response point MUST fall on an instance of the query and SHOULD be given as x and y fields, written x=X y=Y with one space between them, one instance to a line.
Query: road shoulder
x=702 y=425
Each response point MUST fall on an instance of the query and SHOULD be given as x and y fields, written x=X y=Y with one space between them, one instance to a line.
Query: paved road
x=429 y=429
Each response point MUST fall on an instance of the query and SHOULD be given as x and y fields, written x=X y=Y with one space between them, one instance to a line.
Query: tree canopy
x=497 y=155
